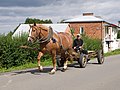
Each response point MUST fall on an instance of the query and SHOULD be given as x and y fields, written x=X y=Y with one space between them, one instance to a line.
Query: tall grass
x=92 y=44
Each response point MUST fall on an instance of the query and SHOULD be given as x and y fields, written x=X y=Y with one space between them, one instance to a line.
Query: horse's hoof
x=63 y=70
x=40 y=68
x=52 y=72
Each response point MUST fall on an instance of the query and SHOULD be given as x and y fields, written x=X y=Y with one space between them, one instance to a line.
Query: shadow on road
x=76 y=65
x=93 y=63
x=32 y=71
x=47 y=69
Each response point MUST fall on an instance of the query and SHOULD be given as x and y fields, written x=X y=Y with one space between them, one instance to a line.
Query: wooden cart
x=83 y=58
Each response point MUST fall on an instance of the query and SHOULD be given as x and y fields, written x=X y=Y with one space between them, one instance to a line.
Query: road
x=93 y=77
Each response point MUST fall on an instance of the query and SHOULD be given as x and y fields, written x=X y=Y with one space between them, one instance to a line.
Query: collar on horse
x=47 y=39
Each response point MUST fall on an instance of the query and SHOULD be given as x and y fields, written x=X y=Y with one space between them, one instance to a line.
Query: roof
x=84 y=19
x=89 y=18
x=24 y=28
x=57 y=27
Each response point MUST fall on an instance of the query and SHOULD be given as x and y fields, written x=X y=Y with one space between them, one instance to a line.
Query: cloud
x=23 y=3
x=13 y=12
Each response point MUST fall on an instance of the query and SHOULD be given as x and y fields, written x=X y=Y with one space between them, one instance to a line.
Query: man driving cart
x=78 y=45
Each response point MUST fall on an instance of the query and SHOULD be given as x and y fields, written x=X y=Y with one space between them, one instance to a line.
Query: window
x=81 y=30
x=106 y=30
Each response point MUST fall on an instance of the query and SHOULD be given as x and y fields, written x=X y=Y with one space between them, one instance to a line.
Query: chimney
x=88 y=14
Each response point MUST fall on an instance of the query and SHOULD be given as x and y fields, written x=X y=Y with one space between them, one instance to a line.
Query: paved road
x=93 y=77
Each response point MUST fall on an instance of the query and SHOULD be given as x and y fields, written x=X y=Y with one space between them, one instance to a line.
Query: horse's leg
x=65 y=64
x=54 y=62
x=40 y=54
x=67 y=56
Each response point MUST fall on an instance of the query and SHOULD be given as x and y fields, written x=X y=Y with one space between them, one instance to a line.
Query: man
x=78 y=45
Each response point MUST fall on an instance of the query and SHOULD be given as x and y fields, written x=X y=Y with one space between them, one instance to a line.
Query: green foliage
x=114 y=52
x=72 y=32
x=11 y=54
x=31 y=21
x=25 y=66
x=118 y=35
x=62 y=21
x=91 y=44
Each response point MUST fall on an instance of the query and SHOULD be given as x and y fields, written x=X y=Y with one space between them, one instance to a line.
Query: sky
x=14 y=12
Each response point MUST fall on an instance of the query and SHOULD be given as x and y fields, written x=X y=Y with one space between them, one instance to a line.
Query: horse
x=51 y=42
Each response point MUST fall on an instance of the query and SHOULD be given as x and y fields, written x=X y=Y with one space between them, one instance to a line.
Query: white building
x=110 y=38
x=24 y=28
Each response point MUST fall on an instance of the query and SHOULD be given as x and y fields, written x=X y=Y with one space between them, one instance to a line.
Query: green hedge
x=92 y=44
x=12 y=55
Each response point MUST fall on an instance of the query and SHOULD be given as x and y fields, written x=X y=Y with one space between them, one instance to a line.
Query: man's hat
x=78 y=35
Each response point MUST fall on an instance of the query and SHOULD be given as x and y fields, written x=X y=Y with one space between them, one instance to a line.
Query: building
x=24 y=28
x=96 y=27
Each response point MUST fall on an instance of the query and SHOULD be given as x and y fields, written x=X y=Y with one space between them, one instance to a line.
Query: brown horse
x=52 y=42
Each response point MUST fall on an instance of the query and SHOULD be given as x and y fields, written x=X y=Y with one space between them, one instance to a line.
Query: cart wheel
x=60 y=62
x=82 y=60
x=100 y=57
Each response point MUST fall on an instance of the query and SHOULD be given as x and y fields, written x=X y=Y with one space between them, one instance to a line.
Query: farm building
x=96 y=27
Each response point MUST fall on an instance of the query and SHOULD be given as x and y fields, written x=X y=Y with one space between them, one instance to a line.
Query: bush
x=92 y=44
x=12 y=55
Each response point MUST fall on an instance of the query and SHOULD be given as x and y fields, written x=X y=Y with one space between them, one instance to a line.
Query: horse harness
x=50 y=36
x=47 y=39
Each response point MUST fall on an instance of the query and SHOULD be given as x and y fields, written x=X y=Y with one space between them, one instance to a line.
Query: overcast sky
x=14 y=12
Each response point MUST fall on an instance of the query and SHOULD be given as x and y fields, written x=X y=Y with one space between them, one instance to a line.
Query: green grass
x=115 y=52
x=26 y=66
x=29 y=65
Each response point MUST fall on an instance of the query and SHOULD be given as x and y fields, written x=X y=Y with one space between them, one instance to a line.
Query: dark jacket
x=77 y=42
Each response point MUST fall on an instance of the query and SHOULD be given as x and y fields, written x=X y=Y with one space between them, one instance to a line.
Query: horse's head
x=38 y=32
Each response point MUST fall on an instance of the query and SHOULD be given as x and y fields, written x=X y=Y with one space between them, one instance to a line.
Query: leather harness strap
x=61 y=45
x=50 y=35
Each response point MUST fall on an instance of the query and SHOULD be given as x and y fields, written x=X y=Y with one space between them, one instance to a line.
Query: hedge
x=92 y=44
x=12 y=55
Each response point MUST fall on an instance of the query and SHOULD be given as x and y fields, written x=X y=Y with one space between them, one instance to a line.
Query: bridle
x=41 y=38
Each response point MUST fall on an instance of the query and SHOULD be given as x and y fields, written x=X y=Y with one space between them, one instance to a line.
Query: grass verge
x=26 y=66
x=115 y=52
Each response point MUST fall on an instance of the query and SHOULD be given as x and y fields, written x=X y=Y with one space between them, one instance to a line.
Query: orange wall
x=91 y=29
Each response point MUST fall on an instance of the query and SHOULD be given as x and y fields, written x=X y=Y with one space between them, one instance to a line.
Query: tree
x=31 y=21
x=62 y=21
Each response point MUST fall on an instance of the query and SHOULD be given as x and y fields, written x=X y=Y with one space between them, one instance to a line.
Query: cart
x=82 y=58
